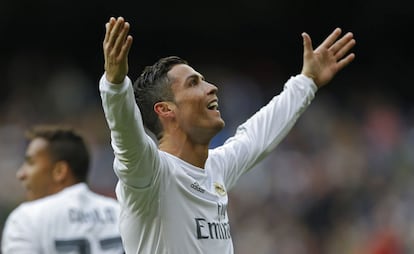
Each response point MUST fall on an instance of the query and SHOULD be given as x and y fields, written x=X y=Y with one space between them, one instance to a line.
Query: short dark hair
x=153 y=86
x=64 y=145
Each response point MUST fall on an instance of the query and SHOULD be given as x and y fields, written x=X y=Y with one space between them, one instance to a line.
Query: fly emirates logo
x=214 y=229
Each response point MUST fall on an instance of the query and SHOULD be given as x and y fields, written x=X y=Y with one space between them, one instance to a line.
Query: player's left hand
x=331 y=56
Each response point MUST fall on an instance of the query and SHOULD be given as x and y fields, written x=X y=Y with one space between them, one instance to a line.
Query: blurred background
x=342 y=180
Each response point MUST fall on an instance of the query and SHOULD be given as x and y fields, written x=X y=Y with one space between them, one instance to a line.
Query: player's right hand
x=116 y=47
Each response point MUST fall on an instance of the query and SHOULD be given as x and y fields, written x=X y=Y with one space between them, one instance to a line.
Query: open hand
x=116 y=47
x=330 y=57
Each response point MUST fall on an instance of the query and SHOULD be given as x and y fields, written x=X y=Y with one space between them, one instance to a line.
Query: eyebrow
x=196 y=75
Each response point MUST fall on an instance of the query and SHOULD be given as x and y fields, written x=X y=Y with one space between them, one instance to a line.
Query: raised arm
x=135 y=153
x=116 y=47
x=331 y=56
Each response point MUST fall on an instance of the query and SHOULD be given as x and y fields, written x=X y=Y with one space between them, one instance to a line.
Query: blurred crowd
x=340 y=182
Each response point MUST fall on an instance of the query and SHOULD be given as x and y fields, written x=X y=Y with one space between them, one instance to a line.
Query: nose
x=212 y=89
x=21 y=173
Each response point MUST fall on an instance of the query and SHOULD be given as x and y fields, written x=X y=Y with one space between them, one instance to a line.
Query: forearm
x=264 y=130
x=122 y=116
x=133 y=148
x=274 y=121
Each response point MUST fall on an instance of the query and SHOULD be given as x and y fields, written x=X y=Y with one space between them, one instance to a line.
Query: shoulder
x=21 y=231
x=24 y=216
x=29 y=208
x=81 y=196
x=31 y=213
x=104 y=199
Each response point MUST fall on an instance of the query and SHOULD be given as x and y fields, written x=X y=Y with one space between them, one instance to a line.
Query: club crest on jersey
x=219 y=188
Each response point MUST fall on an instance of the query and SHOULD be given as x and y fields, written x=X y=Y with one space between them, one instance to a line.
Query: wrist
x=114 y=80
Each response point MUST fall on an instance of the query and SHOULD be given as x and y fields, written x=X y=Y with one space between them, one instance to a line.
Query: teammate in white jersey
x=173 y=192
x=62 y=215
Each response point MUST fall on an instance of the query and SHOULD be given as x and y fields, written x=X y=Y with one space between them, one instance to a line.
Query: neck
x=185 y=149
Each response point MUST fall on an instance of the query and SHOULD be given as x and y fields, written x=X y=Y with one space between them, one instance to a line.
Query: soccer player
x=173 y=191
x=62 y=215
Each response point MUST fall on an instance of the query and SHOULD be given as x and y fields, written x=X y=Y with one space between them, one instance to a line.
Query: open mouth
x=213 y=105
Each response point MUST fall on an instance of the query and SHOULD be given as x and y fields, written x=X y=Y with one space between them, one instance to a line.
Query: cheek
x=39 y=183
x=39 y=174
x=188 y=107
x=192 y=113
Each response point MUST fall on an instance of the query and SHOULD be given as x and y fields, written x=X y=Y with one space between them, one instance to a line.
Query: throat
x=194 y=155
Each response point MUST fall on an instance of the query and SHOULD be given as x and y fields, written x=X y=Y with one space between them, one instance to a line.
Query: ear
x=164 y=108
x=61 y=171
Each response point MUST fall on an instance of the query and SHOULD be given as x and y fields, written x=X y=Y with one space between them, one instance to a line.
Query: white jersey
x=75 y=220
x=170 y=206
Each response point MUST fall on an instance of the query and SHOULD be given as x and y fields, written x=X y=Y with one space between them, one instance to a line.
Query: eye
x=29 y=161
x=193 y=82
